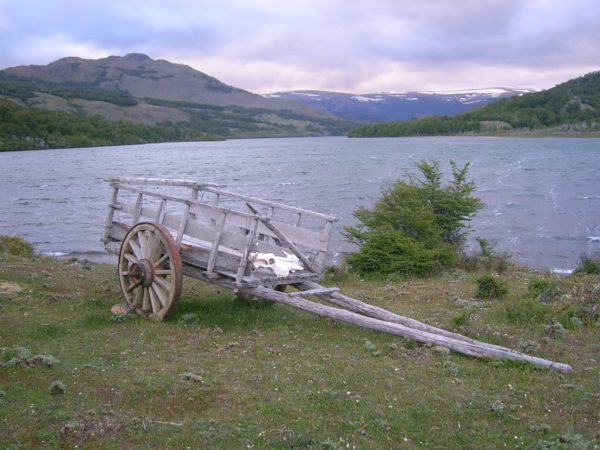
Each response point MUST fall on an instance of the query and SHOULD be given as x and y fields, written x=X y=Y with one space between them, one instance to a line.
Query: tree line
x=574 y=104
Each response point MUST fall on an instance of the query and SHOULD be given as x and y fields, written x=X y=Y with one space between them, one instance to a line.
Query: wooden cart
x=164 y=229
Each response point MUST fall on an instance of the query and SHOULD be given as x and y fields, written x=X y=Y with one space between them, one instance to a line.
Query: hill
x=570 y=107
x=155 y=100
x=385 y=107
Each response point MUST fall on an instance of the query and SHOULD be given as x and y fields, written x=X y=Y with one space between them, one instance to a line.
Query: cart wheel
x=150 y=272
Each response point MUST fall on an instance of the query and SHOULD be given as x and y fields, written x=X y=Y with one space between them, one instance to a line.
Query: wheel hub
x=142 y=271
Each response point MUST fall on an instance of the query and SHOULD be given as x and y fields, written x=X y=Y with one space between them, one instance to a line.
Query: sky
x=358 y=46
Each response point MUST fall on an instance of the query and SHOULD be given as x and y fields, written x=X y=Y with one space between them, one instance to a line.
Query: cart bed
x=217 y=230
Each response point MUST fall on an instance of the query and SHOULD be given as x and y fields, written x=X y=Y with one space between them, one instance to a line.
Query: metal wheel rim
x=149 y=269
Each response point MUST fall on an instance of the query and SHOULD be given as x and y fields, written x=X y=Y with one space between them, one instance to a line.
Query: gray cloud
x=264 y=45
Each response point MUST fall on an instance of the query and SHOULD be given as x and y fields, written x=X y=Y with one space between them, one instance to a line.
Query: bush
x=527 y=311
x=543 y=289
x=488 y=258
x=489 y=287
x=417 y=226
x=589 y=264
x=16 y=246
x=388 y=252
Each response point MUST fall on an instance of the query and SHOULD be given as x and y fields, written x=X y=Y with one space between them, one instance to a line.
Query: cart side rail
x=219 y=194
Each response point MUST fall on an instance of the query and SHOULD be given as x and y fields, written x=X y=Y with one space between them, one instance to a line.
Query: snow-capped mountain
x=395 y=106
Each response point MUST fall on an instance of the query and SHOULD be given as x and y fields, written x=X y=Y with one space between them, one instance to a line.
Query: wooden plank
x=161 y=182
x=111 y=211
x=160 y=216
x=185 y=216
x=247 y=198
x=248 y=248
x=216 y=243
x=479 y=349
x=137 y=209
x=315 y=291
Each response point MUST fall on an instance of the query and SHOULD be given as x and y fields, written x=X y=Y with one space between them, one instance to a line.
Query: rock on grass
x=188 y=376
x=57 y=388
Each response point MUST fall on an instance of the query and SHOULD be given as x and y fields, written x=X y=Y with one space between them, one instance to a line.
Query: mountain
x=141 y=76
x=151 y=100
x=572 y=107
x=385 y=107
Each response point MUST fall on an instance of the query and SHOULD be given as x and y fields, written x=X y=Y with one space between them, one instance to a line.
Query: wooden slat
x=185 y=217
x=216 y=242
x=247 y=198
x=161 y=182
x=137 y=209
x=247 y=249
x=316 y=291
x=111 y=212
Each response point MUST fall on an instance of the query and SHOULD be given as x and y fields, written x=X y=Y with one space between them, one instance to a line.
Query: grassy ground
x=227 y=374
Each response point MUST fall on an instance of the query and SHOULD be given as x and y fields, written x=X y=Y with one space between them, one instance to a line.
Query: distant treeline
x=24 y=128
x=24 y=90
x=571 y=105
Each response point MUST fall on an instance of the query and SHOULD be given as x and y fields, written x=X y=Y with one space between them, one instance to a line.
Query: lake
x=542 y=195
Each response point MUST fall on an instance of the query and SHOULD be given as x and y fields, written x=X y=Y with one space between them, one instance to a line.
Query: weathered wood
x=244 y=260
x=161 y=182
x=479 y=350
x=217 y=241
x=282 y=206
x=368 y=310
x=185 y=216
x=300 y=236
x=283 y=238
x=111 y=212
x=160 y=216
x=316 y=291
x=137 y=209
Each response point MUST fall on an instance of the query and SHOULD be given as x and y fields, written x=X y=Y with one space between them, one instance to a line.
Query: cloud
x=351 y=45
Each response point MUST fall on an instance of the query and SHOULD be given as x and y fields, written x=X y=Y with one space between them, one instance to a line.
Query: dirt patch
x=7 y=287
x=80 y=432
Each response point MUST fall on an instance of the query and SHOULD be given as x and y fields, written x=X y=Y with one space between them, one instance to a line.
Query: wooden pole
x=479 y=350
x=375 y=312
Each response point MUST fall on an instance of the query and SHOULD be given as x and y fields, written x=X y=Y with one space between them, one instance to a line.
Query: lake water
x=542 y=195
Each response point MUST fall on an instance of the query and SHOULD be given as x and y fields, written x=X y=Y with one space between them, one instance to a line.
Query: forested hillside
x=134 y=99
x=570 y=107
x=31 y=128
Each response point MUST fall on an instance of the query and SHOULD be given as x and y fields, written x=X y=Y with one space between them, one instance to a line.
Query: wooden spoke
x=160 y=293
x=163 y=272
x=153 y=295
x=161 y=260
x=150 y=271
x=134 y=285
x=156 y=305
x=137 y=251
x=129 y=257
x=137 y=297
x=163 y=283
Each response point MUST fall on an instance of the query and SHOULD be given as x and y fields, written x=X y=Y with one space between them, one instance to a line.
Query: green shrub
x=489 y=287
x=589 y=265
x=527 y=310
x=389 y=252
x=16 y=246
x=417 y=226
x=488 y=258
x=544 y=289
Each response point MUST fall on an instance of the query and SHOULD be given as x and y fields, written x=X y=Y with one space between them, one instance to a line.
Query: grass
x=223 y=373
